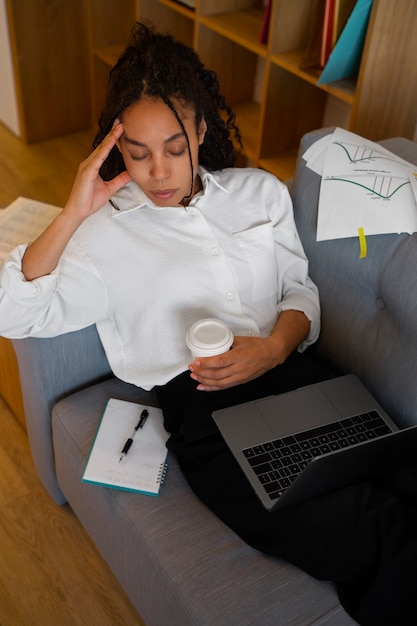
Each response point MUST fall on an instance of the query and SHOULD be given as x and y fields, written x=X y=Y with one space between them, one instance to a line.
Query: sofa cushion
x=178 y=563
x=369 y=305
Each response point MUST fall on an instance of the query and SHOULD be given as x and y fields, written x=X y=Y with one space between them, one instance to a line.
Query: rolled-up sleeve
x=71 y=297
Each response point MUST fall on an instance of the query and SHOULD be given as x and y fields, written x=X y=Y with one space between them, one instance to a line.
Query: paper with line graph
x=364 y=186
x=22 y=221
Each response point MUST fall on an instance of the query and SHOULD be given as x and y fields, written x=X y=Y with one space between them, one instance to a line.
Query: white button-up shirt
x=143 y=274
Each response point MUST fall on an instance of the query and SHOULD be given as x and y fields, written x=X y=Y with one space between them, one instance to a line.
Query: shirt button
x=229 y=295
x=251 y=333
x=214 y=251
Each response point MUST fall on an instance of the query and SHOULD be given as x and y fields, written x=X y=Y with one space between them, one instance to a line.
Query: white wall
x=8 y=103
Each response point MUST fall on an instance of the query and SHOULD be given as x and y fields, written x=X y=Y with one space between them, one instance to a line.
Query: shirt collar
x=128 y=198
x=131 y=196
x=207 y=178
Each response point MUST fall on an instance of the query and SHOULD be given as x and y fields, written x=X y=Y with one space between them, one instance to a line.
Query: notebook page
x=142 y=469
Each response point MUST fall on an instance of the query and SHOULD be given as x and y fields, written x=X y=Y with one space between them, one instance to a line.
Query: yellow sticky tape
x=362 y=243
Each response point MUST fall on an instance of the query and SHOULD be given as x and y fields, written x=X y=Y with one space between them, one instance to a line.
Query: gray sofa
x=178 y=563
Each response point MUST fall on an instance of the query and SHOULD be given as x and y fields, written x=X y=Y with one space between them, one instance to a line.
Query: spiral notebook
x=143 y=468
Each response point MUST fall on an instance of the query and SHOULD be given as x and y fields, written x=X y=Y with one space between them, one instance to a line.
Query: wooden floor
x=51 y=574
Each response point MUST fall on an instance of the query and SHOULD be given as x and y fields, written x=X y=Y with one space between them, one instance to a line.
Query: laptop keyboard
x=277 y=463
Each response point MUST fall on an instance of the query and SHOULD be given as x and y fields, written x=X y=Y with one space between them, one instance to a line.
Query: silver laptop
x=298 y=445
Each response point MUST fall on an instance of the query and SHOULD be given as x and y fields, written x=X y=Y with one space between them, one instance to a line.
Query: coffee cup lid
x=209 y=336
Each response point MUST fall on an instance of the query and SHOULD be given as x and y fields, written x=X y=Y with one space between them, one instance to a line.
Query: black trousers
x=362 y=537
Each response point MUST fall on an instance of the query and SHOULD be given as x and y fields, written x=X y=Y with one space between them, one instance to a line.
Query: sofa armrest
x=49 y=370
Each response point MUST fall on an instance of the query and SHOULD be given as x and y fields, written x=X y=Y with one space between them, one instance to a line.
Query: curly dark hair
x=156 y=65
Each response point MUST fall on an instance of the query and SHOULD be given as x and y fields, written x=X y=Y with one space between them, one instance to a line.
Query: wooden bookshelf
x=276 y=102
x=50 y=53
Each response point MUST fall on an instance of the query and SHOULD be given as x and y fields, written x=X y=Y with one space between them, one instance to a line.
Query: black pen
x=142 y=420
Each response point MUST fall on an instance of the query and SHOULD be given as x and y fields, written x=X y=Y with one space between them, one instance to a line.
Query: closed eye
x=178 y=153
x=175 y=153
x=139 y=158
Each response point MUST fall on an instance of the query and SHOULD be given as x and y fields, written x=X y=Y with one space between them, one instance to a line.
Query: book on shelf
x=320 y=34
x=341 y=12
x=327 y=22
x=142 y=469
x=327 y=32
x=345 y=58
x=265 y=23
x=312 y=52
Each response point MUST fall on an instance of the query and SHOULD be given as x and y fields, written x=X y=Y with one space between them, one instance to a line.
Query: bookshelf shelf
x=108 y=54
x=291 y=62
x=342 y=89
x=276 y=101
x=242 y=27
x=180 y=8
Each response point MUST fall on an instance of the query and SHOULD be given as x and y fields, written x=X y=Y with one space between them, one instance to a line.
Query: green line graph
x=363 y=154
x=380 y=183
x=384 y=187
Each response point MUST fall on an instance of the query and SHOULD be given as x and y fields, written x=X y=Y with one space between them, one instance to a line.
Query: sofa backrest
x=369 y=305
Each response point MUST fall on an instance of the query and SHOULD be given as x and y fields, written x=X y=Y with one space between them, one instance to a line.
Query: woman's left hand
x=250 y=357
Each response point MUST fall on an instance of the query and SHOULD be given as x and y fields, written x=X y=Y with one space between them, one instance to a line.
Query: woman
x=159 y=231
x=173 y=234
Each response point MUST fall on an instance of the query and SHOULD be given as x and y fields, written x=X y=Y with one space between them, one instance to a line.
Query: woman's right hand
x=88 y=195
x=90 y=192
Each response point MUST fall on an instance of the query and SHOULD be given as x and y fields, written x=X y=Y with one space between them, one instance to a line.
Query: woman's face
x=155 y=150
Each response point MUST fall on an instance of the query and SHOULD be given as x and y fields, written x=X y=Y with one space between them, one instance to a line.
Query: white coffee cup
x=209 y=337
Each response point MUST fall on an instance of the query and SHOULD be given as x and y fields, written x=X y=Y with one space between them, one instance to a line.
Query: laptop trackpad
x=289 y=413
